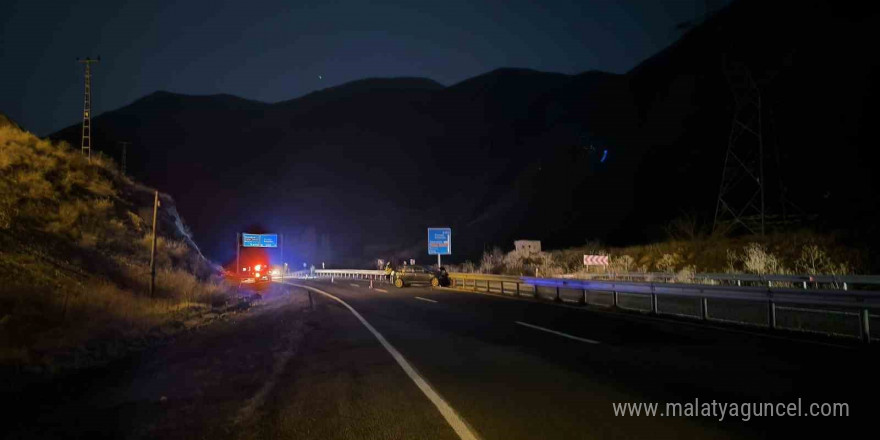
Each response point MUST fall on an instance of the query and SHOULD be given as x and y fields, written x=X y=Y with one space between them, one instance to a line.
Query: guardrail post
x=704 y=308
x=771 y=314
x=502 y=287
x=653 y=300
x=616 y=301
x=866 y=326
x=583 y=299
x=557 y=295
x=517 y=289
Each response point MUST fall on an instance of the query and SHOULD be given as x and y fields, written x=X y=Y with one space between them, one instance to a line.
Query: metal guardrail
x=828 y=301
x=804 y=280
x=350 y=273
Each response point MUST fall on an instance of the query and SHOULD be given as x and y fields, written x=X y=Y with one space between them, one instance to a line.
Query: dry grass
x=75 y=253
x=779 y=253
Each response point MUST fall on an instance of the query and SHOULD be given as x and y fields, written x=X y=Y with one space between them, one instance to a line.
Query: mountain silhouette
x=359 y=171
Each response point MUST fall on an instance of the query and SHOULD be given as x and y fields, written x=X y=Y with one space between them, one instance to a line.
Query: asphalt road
x=499 y=364
x=304 y=366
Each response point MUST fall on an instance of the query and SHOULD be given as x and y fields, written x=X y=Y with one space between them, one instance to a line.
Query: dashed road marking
x=455 y=421
x=425 y=299
x=564 y=335
x=354 y=285
x=641 y=317
x=381 y=290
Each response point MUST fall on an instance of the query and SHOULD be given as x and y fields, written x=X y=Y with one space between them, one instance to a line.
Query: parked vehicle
x=410 y=275
x=260 y=273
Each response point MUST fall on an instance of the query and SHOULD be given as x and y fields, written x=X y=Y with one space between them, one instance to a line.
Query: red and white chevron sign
x=595 y=260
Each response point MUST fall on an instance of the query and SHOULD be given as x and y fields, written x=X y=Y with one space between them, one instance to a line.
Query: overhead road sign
x=259 y=240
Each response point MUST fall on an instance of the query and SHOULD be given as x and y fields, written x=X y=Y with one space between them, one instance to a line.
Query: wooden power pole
x=153 y=247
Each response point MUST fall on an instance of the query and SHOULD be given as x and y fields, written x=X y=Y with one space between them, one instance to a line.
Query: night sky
x=276 y=50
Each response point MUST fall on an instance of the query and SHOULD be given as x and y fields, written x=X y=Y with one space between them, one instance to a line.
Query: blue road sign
x=439 y=241
x=259 y=240
x=250 y=240
x=269 y=240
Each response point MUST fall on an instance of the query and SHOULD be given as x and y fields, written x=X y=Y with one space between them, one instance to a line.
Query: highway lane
x=520 y=369
x=308 y=368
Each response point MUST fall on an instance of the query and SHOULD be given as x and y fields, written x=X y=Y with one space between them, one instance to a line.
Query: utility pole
x=86 y=144
x=153 y=247
x=281 y=245
x=238 y=255
x=124 y=145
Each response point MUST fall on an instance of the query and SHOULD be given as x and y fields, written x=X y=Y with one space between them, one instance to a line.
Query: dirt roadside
x=197 y=385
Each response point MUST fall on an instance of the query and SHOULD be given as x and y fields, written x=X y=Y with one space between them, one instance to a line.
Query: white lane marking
x=381 y=290
x=455 y=421
x=564 y=335
x=425 y=299
x=642 y=317
x=354 y=285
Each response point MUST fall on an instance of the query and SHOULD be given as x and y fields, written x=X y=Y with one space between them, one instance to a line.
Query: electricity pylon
x=741 y=196
x=87 y=109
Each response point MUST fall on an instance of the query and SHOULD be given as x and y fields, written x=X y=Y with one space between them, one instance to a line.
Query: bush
x=492 y=261
x=755 y=258
x=668 y=262
x=623 y=263
x=814 y=260
x=514 y=262
x=686 y=274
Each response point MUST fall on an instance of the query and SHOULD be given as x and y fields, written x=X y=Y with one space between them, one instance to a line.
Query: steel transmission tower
x=87 y=109
x=741 y=196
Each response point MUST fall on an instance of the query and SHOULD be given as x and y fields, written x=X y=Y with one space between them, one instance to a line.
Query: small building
x=527 y=247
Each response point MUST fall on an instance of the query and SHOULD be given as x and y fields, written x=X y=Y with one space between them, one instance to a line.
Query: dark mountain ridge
x=363 y=168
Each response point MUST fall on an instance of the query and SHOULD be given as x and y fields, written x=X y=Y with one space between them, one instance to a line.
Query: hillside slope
x=74 y=258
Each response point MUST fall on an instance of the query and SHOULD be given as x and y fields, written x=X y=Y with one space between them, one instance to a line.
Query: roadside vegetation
x=74 y=260
x=801 y=252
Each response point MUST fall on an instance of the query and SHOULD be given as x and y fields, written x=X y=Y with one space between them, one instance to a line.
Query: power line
x=86 y=145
